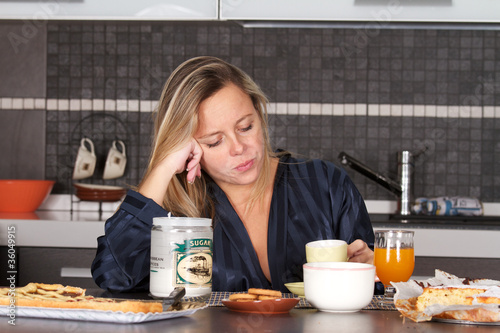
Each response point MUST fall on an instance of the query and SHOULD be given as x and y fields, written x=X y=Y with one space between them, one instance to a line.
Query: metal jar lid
x=182 y=221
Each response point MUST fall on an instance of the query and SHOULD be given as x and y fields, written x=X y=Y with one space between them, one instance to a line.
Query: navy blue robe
x=312 y=200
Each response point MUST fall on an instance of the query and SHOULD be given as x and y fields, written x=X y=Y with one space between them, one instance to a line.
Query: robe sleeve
x=123 y=252
x=351 y=220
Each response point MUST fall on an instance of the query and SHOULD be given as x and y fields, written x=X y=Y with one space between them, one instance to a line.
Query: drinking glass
x=394 y=259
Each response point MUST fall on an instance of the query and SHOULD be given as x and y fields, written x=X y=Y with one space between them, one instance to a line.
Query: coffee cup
x=326 y=250
x=85 y=160
x=116 y=161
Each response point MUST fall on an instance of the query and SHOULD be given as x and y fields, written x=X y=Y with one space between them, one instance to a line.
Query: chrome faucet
x=401 y=188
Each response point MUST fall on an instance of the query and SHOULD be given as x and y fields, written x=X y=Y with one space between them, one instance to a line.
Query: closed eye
x=215 y=144
x=246 y=129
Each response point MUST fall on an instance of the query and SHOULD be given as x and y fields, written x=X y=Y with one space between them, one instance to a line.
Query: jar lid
x=182 y=221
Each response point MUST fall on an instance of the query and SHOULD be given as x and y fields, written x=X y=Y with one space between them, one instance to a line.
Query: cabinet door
x=40 y=11
x=47 y=265
x=382 y=11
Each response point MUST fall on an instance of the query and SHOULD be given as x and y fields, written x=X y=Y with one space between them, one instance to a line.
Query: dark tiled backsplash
x=386 y=69
x=462 y=156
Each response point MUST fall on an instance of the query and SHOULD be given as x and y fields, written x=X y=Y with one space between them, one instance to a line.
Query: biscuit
x=264 y=297
x=242 y=297
x=265 y=292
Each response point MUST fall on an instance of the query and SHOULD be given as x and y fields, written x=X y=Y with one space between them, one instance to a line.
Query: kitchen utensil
x=85 y=160
x=103 y=193
x=339 y=286
x=23 y=195
x=173 y=300
x=326 y=250
x=296 y=287
x=116 y=161
x=268 y=306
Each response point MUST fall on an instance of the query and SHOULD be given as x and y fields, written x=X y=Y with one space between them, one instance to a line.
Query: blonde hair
x=176 y=121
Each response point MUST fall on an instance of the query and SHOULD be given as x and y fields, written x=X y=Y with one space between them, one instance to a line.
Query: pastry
x=447 y=295
x=59 y=296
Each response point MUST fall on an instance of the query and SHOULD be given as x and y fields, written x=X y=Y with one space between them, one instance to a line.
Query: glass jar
x=181 y=255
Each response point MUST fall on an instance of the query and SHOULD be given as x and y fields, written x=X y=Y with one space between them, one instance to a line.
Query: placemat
x=216 y=298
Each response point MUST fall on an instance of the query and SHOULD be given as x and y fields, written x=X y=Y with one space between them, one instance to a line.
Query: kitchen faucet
x=402 y=188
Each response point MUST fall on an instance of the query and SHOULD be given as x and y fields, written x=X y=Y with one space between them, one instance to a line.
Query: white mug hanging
x=116 y=161
x=85 y=160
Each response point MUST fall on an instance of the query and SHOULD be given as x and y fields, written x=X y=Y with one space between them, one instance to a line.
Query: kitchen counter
x=439 y=222
x=433 y=238
x=220 y=319
x=462 y=237
x=54 y=229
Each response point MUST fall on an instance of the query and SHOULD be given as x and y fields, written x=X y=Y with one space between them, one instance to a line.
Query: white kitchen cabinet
x=381 y=11
x=40 y=11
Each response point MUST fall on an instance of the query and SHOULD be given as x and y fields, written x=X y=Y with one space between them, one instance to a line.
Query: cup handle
x=91 y=144
x=120 y=142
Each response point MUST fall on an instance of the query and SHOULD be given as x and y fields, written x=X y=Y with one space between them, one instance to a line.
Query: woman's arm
x=155 y=185
x=354 y=223
x=123 y=253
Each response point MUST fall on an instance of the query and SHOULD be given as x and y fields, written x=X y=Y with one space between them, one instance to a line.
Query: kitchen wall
x=368 y=92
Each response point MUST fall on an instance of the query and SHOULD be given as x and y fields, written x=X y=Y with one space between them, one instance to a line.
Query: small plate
x=96 y=187
x=268 y=306
x=296 y=287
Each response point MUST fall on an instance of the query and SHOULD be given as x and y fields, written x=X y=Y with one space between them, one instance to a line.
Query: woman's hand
x=358 y=251
x=188 y=158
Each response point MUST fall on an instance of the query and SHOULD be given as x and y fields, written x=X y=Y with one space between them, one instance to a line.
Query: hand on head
x=188 y=159
x=358 y=251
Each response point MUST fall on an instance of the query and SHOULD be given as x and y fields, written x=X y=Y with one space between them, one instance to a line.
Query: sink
x=444 y=219
x=436 y=219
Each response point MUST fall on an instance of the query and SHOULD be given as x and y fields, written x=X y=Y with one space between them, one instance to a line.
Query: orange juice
x=392 y=266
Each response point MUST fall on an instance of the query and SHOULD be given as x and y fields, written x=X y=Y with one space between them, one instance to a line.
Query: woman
x=212 y=157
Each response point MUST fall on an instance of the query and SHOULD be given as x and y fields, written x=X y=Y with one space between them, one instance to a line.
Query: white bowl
x=339 y=286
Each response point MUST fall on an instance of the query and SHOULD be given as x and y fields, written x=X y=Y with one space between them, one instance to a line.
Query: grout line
x=359 y=109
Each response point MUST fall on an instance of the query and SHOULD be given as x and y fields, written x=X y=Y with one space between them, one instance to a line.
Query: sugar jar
x=181 y=255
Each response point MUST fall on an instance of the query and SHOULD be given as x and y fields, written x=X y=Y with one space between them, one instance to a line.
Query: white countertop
x=55 y=229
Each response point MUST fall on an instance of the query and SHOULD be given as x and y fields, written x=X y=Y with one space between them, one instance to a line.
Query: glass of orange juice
x=394 y=259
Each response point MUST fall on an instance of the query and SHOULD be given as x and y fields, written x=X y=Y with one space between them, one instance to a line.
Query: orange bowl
x=23 y=195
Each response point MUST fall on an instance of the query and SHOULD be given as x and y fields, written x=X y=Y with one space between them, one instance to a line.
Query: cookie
x=264 y=292
x=243 y=297
x=264 y=297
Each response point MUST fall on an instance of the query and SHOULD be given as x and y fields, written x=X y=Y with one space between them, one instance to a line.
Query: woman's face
x=230 y=134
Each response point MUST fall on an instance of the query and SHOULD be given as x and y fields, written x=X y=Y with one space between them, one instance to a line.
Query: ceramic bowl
x=296 y=287
x=23 y=195
x=103 y=193
x=339 y=286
